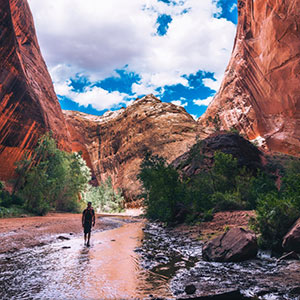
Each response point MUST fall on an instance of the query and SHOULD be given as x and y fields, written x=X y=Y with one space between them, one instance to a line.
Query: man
x=88 y=219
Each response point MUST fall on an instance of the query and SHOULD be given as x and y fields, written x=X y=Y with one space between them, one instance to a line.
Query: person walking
x=88 y=220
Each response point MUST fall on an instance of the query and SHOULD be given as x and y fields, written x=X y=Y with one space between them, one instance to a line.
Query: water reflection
x=110 y=269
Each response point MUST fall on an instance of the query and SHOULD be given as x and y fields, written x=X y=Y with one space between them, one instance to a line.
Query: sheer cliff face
x=114 y=144
x=260 y=93
x=28 y=104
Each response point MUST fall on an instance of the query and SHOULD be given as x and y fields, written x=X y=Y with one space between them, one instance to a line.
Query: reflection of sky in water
x=109 y=269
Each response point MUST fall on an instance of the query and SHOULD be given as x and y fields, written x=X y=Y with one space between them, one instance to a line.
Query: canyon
x=259 y=97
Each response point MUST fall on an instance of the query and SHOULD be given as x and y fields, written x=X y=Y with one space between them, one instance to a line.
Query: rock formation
x=201 y=155
x=115 y=143
x=260 y=93
x=28 y=104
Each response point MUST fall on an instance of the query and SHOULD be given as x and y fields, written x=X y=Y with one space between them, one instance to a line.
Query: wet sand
x=109 y=269
x=19 y=233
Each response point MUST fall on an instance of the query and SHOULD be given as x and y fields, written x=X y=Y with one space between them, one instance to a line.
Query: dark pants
x=87 y=227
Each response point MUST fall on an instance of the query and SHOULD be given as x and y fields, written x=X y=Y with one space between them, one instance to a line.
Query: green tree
x=104 y=197
x=274 y=217
x=51 y=178
x=163 y=192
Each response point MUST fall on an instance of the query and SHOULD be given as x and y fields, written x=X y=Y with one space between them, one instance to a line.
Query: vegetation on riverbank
x=53 y=180
x=173 y=198
x=104 y=197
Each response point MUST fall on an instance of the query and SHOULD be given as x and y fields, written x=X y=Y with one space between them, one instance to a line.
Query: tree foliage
x=51 y=178
x=225 y=186
x=163 y=191
x=104 y=198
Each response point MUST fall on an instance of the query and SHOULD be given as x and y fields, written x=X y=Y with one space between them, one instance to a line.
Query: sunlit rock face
x=260 y=93
x=114 y=144
x=28 y=104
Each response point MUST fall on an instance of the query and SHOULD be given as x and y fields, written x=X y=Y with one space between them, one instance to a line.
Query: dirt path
x=221 y=221
x=18 y=233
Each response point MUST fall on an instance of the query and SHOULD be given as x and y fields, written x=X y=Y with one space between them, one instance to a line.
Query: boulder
x=235 y=245
x=291 y=241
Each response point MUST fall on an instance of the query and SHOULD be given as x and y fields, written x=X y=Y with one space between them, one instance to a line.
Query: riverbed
x=137 y=260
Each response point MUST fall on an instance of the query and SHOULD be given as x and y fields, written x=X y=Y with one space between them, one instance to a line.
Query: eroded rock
x=291 y=241
x=28 y=103
x=259 y=95
x=115 y=144
x=235 y=245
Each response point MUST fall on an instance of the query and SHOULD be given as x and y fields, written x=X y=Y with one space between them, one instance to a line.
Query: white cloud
x=195 y=117
x=179 y=103
x=203 y=102
x=212 y=84
x=234 y=5
x=95 y=38
x=95 y=96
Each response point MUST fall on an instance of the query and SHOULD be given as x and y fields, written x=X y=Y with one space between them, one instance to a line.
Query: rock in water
x=260 y=93
x=291 y=241
x=235 y=245
x=28 y=104
x=190 y=289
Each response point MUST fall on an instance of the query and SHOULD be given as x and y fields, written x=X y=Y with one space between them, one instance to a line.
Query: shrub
x=291 y=184
x=274 y=217
x=227 y=201
x=163 y=192
x=105 y=198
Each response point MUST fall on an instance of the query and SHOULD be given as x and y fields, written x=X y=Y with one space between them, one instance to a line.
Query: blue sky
x=102 y=55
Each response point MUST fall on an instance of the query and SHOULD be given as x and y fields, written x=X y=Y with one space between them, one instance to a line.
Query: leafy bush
x=278 y=210
x=163 y=191
x=291 y=184
x=7 y=200
x=104 y=197
x=13 y=211
x=51 y=178
x=227 y=201
x=274 y=218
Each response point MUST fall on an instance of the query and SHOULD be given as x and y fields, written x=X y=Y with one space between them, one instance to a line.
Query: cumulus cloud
x=179 y=103
x=203 y=102
x=97 y=97
x=95 y=38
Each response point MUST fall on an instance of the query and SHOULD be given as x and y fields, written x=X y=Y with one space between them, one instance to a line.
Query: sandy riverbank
x=18 y=233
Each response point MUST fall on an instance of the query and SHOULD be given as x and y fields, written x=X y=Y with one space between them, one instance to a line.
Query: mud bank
x=19 y=233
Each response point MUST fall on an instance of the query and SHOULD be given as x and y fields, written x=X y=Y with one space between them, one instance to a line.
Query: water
x=133 y=262
x=109 y=269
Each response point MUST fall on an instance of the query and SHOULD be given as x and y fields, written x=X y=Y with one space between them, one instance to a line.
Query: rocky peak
x=148 y=98
x=260 y=92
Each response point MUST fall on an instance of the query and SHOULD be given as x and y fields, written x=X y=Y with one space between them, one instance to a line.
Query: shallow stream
x=135 y=261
